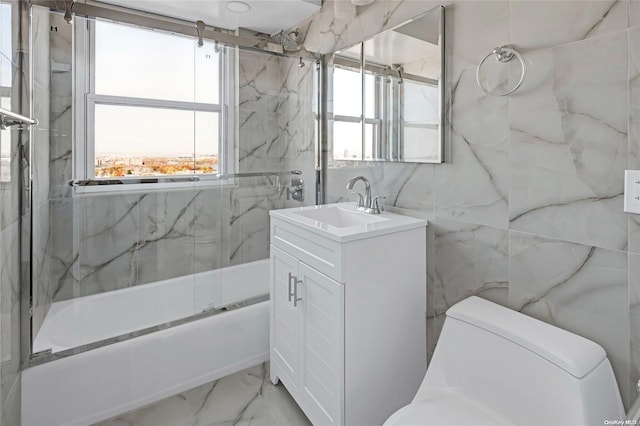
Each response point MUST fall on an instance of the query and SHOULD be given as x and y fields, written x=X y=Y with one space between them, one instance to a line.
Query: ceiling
x=266 y=16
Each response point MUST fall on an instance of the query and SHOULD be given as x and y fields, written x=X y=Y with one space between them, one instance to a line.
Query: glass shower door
x=129 y=242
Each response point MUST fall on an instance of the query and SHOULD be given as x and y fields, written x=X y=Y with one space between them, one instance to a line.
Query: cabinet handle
x=291 y=276
x=296 y=299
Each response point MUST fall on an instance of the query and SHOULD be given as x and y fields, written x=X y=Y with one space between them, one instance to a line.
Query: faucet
x=366 y=204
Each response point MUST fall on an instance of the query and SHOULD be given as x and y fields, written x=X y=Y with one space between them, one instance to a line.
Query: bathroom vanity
x=348 y=311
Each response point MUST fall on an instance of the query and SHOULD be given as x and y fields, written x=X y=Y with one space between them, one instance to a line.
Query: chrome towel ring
x=503 y=55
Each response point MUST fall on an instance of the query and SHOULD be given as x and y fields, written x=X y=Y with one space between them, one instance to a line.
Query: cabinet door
x=322 y=346
x=285 y=319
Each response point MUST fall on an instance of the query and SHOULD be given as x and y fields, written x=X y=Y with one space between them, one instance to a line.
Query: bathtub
x=109 y=380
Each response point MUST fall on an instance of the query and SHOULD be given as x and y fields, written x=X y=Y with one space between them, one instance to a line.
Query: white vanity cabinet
x=348 y=314
x=308 y=338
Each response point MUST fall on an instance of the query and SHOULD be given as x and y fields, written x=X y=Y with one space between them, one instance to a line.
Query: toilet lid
x=449 y=410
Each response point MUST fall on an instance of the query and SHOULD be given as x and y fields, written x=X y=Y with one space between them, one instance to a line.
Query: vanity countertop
x=341 y=222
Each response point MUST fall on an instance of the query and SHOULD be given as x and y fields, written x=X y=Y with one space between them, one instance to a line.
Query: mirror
x=396 y=78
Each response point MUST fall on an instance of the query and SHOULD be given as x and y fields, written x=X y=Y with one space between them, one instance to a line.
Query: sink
x=342 y=222
x=340 y=217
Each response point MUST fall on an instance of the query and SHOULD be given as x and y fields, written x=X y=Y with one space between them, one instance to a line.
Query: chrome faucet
x=365 y=204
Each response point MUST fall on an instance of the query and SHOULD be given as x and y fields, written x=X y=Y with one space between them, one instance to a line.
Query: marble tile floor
x=244 y=398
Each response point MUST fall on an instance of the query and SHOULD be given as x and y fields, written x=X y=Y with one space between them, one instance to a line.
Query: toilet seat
x=446 y=409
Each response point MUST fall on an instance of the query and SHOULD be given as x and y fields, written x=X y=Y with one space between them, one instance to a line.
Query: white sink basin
x=340 y=217
x=342 y=222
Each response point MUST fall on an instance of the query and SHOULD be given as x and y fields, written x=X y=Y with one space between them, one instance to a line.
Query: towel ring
x=503 y=55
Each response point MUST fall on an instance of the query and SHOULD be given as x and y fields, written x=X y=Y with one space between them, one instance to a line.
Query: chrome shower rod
x=8 y=118
x=170 y=179
x=258 y=174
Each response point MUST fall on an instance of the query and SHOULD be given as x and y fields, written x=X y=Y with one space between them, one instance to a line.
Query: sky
x=134 y=62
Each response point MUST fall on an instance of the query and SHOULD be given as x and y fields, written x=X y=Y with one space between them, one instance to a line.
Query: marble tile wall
x=567 y=176
x=297 y=120
x=104 y=242
x=527 y=211
x=14 y=56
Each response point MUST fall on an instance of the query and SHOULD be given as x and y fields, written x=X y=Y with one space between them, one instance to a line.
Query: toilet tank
x=528 y=371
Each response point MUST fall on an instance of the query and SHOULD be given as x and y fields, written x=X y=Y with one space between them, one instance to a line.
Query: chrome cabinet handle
x=294 y=294
x=296 y=299
x=289 y=286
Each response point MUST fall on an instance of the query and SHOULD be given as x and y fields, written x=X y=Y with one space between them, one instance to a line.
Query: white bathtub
x=77 y=322
x=104 y=382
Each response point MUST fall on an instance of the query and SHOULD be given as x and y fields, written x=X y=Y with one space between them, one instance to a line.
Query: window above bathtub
x=150 y=104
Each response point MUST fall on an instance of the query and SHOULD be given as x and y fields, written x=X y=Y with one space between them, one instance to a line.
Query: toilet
x=496 y=366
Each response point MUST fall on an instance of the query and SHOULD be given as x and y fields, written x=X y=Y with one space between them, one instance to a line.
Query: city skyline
x=121 y=166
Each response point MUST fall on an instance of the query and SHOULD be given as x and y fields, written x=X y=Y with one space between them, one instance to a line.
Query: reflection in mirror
x=396 y=78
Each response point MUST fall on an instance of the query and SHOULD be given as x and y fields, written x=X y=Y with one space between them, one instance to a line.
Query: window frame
x=86 y=100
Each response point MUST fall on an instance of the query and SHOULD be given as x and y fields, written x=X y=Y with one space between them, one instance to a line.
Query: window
x=5 y=89
x=347 y=124
x=155 y=104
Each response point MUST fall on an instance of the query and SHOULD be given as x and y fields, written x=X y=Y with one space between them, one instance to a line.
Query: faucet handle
x=360 y=202
x=374 y=203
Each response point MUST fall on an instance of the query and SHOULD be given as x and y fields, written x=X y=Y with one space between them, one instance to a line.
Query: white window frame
x=85 y=101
